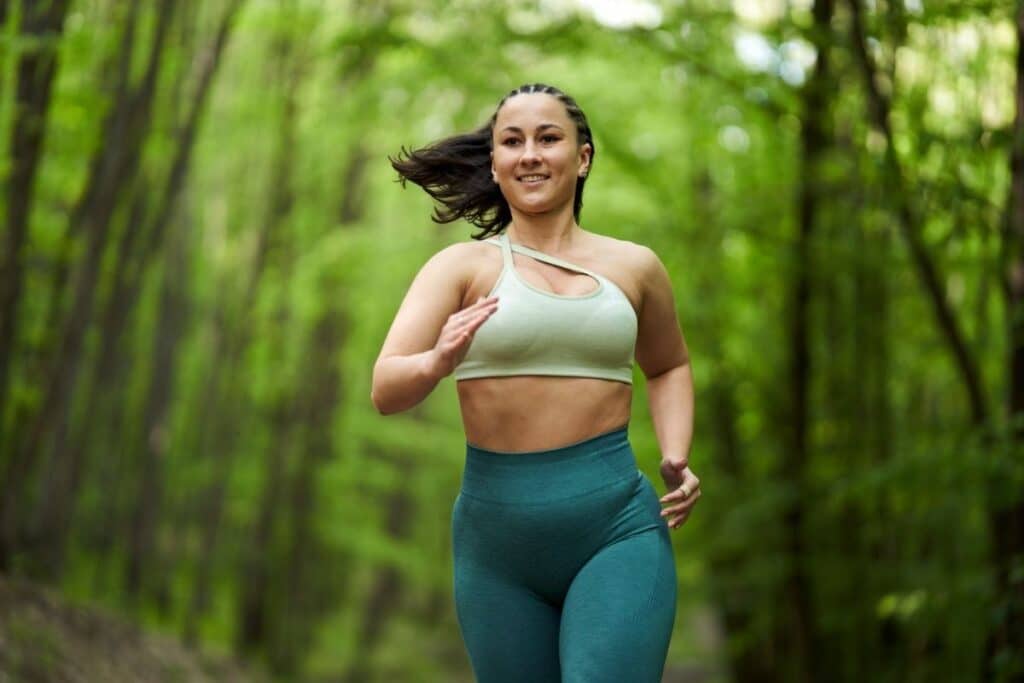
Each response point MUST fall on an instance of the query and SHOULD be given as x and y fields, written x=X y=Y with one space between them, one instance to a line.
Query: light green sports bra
x=535 y=332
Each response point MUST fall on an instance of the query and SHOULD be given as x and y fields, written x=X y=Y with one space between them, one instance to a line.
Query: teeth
x=529 y=178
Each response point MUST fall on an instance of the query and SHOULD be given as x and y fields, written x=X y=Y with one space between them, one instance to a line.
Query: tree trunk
x=1004 y=647
x=35 y=72
x=113 y=169
x=800 y=638
x=257 y=564
x=909 y=222
x=145 y=567
x=62 y=480
x=233 y=343
x=754 y=662
x=388 y=587
x=323 y=377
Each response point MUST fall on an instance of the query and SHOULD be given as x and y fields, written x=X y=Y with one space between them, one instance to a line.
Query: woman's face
x=536 y=159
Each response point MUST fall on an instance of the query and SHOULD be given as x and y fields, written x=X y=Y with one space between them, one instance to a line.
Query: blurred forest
x=204 y=245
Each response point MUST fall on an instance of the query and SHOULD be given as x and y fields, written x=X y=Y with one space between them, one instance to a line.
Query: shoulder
x=459 y=261
x=458 y=256
x=640 y=260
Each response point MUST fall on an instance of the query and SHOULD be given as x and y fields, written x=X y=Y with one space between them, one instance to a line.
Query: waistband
x=552 y=474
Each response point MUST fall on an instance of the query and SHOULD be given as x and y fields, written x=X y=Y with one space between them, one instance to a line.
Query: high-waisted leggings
x=564 y=570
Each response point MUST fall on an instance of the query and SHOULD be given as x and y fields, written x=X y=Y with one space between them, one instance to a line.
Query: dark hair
x=456 y=171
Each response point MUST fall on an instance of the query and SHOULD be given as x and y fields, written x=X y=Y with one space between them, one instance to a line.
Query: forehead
x=529 y=110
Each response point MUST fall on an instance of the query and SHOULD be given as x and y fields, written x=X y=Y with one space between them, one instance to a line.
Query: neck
x=551 y=233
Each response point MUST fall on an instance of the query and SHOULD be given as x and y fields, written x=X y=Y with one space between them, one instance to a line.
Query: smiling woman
x=537 y=161
x=564 y=570
x=454 y=171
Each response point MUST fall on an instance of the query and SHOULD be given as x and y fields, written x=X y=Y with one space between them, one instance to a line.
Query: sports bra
x=535 y=332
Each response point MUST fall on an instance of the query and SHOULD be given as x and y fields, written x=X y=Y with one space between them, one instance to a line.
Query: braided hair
x=456 y=171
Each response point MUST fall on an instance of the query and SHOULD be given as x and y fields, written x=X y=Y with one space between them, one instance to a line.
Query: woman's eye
x=511 y=142
x=549 y=138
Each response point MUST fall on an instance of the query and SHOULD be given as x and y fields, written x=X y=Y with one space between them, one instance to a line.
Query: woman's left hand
x=684 y=490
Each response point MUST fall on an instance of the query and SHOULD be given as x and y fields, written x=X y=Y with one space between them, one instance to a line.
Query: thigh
x=618 y=615
x=510 y=633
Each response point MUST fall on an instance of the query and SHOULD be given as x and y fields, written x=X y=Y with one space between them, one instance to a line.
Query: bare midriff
x=534 y=412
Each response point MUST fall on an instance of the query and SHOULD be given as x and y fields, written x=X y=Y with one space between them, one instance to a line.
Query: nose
x=531 y=154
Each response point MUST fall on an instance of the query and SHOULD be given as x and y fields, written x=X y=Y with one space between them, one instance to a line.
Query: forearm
x=670 y=397
x=400 y=382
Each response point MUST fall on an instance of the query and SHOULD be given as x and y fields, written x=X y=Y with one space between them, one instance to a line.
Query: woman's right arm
x=429 y=335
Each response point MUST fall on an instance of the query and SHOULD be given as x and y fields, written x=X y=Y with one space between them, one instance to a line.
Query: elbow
x=378 y=401
x=376 y=404
x=381 y=406
x=660 y=373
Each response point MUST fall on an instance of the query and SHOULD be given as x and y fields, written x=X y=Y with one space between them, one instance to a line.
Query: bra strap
x=506 y=250
x=547 y=258
x=502 y=243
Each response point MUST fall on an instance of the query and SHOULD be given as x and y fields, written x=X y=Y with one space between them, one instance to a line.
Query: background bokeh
x=204 y=246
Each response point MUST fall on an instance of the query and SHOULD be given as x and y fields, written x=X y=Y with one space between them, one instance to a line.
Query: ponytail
x=456 y=172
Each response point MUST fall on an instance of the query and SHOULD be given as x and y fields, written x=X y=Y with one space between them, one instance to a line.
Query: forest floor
x=43 y=639
x=46 y=639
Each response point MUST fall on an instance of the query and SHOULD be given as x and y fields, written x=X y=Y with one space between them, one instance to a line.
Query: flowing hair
x=456 y=171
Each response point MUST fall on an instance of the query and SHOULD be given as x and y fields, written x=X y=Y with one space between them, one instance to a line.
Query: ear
x=585 y=150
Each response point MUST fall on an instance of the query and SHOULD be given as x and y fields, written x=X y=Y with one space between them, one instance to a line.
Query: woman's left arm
x=664 y=359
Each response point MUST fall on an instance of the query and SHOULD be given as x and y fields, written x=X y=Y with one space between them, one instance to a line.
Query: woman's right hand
x=457 y=334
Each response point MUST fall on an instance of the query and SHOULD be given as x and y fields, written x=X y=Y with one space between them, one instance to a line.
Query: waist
x=548 y=475
x=534 y=413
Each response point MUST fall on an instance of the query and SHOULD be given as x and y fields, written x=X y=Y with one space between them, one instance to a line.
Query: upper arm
x=435 y=293
x=659 y=345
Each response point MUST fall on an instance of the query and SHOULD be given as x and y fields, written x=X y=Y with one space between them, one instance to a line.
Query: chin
x=538 y=205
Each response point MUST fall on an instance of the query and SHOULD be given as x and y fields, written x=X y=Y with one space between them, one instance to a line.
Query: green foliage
x=290 y=247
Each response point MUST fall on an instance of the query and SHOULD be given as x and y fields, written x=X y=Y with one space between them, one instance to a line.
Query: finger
x=675 y=494
x=472 y=324
x=682 y=507
x=468 y=323
x=680 y=494
x=480 y=303
x=678 y=521
x=471 y=312
x=690 y=483
x=451 y=345
x=462 y=334
x=672 y=496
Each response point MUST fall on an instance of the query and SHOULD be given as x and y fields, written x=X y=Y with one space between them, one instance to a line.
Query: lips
x=532 y=178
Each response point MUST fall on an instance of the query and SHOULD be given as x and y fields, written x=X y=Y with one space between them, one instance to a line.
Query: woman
x=563 y=563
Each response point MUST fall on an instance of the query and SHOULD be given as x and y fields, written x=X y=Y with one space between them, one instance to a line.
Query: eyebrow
x=543 y=126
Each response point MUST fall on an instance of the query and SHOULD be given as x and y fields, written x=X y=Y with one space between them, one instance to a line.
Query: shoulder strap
x=506 y=253
x=547 y=258
x=499 y=242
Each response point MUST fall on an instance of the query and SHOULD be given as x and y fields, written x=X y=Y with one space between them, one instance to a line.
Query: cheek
x=503 y=160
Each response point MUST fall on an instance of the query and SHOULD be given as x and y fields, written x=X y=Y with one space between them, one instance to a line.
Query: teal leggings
x=564 y=571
